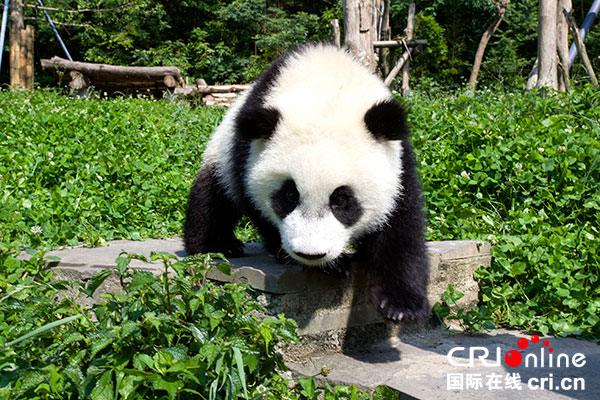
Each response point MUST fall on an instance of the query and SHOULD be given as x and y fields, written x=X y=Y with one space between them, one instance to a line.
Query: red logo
x=514 y=358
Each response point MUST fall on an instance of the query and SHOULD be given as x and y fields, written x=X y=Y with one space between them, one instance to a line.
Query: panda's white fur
x=320 y=140
x=307 y=143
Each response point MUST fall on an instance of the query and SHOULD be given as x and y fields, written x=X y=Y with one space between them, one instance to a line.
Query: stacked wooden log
x=217 y=95
x=21 y=59
x=80 y=76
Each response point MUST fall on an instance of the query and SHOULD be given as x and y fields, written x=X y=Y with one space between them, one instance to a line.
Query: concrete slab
x=418 y=367
x=260 y=271
x=326 y=307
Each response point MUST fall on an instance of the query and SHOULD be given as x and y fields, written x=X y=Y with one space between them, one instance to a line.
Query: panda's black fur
x=243 y=151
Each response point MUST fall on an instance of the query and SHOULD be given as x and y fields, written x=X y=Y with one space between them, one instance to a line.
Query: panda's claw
x=410 y=307
x=383 y=303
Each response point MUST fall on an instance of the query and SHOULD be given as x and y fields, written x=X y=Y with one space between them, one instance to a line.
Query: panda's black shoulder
x=254 y=120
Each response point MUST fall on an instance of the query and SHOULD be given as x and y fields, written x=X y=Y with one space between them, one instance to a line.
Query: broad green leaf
x=224 y=268
x=171 y=387
x=95 y=281
x=200 y=334
x=104 y=389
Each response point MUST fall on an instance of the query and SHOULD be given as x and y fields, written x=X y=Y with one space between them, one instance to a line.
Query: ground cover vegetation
x=174 y=336
x=232 y=42
x=521 y=171
x=516 y=169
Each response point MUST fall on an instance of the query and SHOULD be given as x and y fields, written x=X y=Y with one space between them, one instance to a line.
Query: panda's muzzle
x=310 y=256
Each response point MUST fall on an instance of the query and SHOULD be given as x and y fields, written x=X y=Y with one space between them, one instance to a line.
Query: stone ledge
x=324 y=306
x=257 y=269
x=417 y=366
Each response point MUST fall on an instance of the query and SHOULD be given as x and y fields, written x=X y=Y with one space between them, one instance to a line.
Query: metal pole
x=585 y=27
x=3 y=32
x=55 y=31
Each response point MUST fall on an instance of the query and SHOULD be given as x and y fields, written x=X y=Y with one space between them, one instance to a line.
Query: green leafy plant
x=88 y=171
x=471 y=321
x=173 y=336
x=176 y=335
x=522 y=172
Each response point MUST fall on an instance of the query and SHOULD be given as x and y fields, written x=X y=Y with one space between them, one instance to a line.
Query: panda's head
x=324 y=163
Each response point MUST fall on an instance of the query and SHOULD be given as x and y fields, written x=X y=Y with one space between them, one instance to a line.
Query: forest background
x=233 y=41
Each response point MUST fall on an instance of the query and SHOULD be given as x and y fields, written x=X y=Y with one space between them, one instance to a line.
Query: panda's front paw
x=233 y=249
x=230 y=249
x=399 y=305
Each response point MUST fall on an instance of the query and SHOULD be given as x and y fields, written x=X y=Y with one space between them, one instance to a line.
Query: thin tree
x=501 y=7
x=547 y=39
x=562 y=44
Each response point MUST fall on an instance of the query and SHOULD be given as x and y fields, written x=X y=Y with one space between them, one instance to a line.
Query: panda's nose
x=310 y=256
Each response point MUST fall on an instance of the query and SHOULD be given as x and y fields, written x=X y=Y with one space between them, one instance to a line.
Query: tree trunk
x=562 y=45
x=386 y=34
x=16 y=26
x=485 y=38
x=335 y=31
x=547 y=55
x=410 y=26
x=358 y=30
x=533 y=75
x=26 y=61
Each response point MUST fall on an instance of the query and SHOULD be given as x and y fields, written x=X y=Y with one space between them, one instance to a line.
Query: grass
x=91 y=171
x=523 y=172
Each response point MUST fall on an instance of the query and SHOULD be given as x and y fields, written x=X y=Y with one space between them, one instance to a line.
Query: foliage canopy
x=231 y=42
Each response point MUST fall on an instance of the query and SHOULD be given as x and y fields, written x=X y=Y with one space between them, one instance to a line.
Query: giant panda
x=317 y=155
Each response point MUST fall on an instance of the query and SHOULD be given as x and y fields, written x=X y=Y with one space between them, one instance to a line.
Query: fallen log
x=110 y=78
x=118 y=72
x=209 y=93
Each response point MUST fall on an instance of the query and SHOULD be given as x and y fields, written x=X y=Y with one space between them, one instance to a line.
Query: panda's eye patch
x=345 y=206
x=338 y=199
x=285 y=199
x=292 y=195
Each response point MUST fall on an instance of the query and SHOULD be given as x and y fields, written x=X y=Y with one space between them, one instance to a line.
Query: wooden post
x=335 y=31
x=26 y=60
x=16 y=25
x=358 y=30
x=547 y=54
x=410 y=25
x=562 y=44
x=386 y=34
x=581 y=47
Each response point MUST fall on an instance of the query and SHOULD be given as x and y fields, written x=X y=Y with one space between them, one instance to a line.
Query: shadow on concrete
x=571 y=369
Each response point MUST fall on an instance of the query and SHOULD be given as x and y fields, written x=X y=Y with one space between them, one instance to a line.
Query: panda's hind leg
x=210 y=218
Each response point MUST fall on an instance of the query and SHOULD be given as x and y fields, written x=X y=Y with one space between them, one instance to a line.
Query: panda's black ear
x=256 y=122
x=386 y=120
